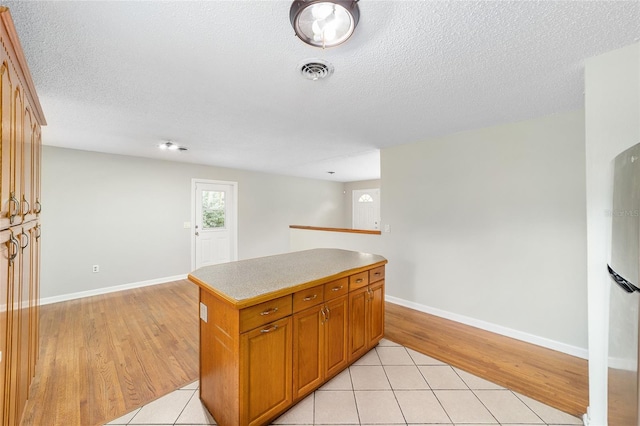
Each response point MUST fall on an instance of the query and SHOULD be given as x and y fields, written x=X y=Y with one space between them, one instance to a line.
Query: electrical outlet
x=96 y=268
x=204 y=312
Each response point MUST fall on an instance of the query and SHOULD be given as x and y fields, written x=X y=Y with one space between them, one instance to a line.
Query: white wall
x=303 y=239
x=612 y=115
x=489 y=226
x=126 y=214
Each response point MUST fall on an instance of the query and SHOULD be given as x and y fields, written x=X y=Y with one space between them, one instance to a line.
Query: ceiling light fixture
x=170 y=146
x=324 y=23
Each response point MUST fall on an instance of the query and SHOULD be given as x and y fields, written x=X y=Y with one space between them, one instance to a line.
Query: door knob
x=197 y=234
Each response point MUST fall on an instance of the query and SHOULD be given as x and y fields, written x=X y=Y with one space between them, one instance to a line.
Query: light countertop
x=249 y=279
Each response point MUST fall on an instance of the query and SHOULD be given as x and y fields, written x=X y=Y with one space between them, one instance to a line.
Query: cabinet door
x=308 y=335
x=376 y=312
x=37 y=170
x=8 y=249
x=358 y=323
x=26 y=201
x=265 y=372
x=12 y=378
x=23 y=360
x=17 y=140
x=34 y=301
x=7 y=205
x=336 y=333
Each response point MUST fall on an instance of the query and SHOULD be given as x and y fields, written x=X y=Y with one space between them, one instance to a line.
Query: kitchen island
x=274 y=329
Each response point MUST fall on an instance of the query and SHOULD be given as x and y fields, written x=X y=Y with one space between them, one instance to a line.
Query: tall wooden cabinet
x=20 y=206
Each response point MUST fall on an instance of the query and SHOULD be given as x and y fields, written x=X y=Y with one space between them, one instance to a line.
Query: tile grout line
x=185 y=405
x=353 y=392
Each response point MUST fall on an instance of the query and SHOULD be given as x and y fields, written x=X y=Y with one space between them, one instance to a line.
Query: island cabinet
x=366 y=311
x=319 y=335
x=274 y=329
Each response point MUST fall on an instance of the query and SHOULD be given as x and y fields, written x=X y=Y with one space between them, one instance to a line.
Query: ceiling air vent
x=315 y=69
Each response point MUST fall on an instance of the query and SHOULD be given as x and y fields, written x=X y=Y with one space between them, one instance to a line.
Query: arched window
x=365 y=198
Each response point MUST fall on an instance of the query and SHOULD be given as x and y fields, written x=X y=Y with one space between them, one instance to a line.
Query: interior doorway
x=215 y=222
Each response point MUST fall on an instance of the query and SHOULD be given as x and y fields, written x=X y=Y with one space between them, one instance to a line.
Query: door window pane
x=213 y=209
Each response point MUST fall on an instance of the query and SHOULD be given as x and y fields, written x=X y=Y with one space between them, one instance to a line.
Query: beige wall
x=126 y=214
x=612 y=114
x=489 y=226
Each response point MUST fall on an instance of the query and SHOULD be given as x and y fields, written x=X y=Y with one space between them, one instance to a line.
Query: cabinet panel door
x=36 y=172
x=376 y=313
x=12 y=378
x=23 y=315
x=26 y=201
x=307 y=350
x=7 y=206
x=336 y=330
x=7 y=249
x=34 y=300
x=266 y=370
x=358 y=323
x=17 y=140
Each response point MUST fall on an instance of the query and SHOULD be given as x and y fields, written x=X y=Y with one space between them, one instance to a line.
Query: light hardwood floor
x=103 y=356
x=551 y=377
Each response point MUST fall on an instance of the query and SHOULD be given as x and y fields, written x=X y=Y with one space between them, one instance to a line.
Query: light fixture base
x=324 y=23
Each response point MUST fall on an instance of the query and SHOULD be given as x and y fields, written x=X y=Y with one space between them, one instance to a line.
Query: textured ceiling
x=222 y=77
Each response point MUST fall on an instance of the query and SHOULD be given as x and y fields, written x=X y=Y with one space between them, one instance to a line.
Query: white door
x=215 y=221
x=366 y=209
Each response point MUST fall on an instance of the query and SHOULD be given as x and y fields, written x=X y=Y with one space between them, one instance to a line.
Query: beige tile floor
x=390 y=385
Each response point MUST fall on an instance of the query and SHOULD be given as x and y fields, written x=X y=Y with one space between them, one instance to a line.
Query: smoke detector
x=315 y=69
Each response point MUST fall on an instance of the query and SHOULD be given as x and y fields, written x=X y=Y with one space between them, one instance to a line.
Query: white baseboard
x=105 y=290
x=494 y=328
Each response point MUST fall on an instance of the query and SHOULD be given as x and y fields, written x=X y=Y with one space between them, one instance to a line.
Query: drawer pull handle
x=27 y=237
x=359 y=280
x=24 y=200
x=337 y=288
x=308 y=298
x=376 y=273
x=16 y=209
x=16 y=245
x=270 y=329
x=269 y=311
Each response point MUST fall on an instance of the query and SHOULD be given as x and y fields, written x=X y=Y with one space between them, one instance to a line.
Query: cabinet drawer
x=358 y=280
x=307 y=298
x=336 y=288
x=264 y=313
x=376 y=274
